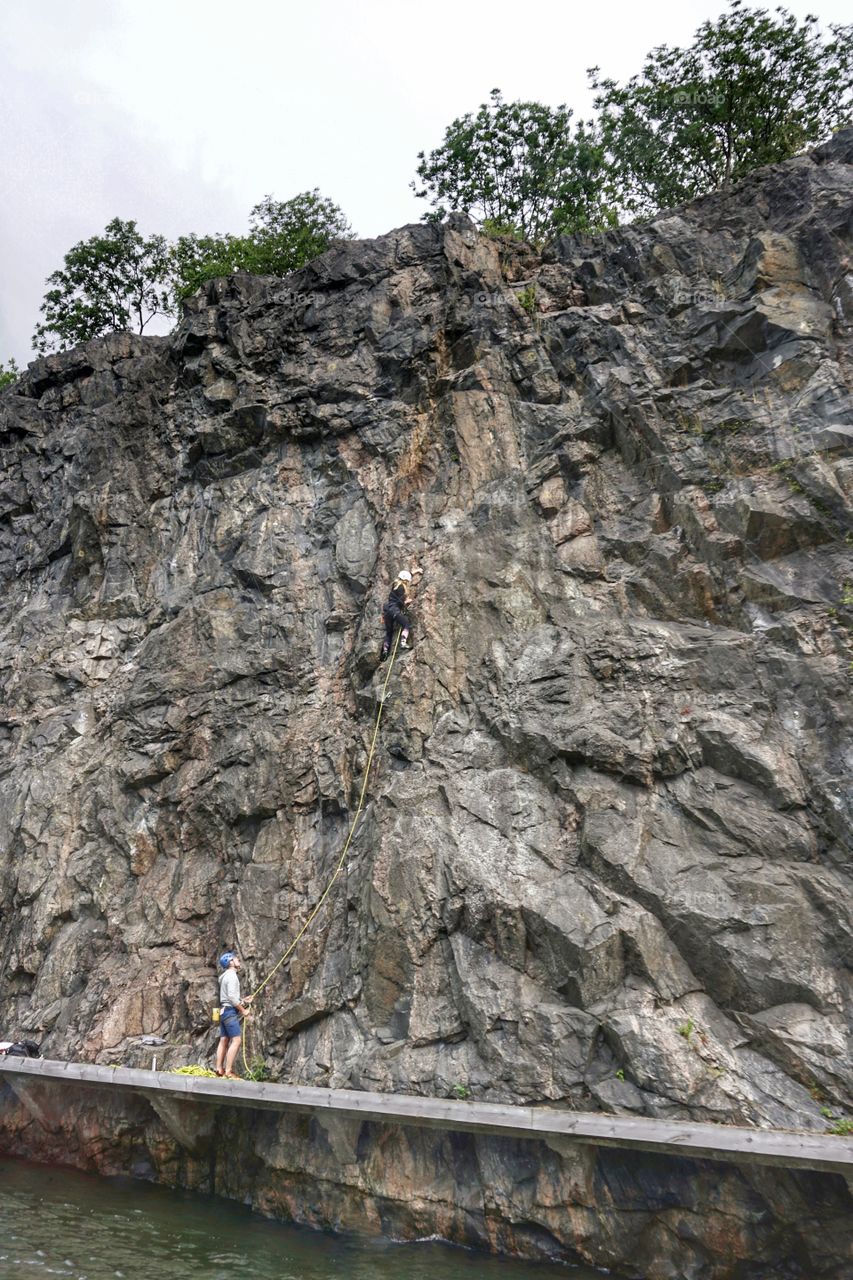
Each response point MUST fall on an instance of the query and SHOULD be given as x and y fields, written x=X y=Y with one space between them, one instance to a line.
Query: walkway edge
x=733 y=1144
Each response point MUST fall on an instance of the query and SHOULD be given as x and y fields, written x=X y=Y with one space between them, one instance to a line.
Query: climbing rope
x=342 y=859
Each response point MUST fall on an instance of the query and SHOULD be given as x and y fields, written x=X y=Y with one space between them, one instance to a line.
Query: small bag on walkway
x=20 y=1049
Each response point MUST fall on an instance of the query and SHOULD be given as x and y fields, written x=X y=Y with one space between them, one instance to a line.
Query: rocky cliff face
x=604 y=861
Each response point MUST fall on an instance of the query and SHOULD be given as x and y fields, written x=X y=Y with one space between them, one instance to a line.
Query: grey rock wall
x=605 y=861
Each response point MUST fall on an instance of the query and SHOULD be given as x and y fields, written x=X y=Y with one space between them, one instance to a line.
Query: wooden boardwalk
x=558 y=1128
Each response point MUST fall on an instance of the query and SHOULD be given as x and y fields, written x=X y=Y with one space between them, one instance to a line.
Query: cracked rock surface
x=605 y=859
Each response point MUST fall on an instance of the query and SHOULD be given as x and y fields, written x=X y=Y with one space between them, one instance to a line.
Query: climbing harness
x=341 y=860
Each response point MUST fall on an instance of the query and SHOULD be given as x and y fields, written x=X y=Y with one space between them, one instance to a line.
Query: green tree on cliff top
x=120 y=280
x=9 y=373
x=283 y=235
x=520 y=167
x=754 y=88
x=114 y=281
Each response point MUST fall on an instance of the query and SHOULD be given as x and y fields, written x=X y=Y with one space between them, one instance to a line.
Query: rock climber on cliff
x=231 y=1006
x=394 y=614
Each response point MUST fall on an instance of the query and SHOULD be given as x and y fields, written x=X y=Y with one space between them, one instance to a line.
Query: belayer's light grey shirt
x=229 y=988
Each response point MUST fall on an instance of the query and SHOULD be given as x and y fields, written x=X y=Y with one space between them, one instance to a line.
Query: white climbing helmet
x=404 y=575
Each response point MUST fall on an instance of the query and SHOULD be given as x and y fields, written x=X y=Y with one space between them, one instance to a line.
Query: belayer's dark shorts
x=229 y=1022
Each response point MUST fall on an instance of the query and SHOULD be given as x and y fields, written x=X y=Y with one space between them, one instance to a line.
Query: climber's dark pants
x=393 y=617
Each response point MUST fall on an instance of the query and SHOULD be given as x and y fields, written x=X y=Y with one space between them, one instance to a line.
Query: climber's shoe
x=383 y=657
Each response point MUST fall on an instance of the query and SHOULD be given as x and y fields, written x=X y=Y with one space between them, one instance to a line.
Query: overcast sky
x=182 y=115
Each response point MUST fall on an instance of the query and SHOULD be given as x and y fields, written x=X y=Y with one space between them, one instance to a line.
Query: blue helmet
x=226 y=958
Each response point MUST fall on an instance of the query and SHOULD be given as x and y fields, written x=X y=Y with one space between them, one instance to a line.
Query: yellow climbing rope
x=328 y=889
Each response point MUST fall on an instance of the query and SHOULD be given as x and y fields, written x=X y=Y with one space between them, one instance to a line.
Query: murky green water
x=56 y=1222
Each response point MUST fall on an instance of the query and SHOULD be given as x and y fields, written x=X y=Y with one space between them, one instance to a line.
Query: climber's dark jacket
x=394 y=615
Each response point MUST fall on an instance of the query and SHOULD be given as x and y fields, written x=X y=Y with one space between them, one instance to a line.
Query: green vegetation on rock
x=754 y=88
x=518 y=168
x=283 y=236
x=114 y=281
x=120 y=280
x=8 y=373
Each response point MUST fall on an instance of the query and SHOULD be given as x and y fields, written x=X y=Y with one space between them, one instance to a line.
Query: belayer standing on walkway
x=394 y=614
x=231 y=1006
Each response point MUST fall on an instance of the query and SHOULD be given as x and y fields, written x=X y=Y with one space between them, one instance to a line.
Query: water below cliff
x=57 y=1222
